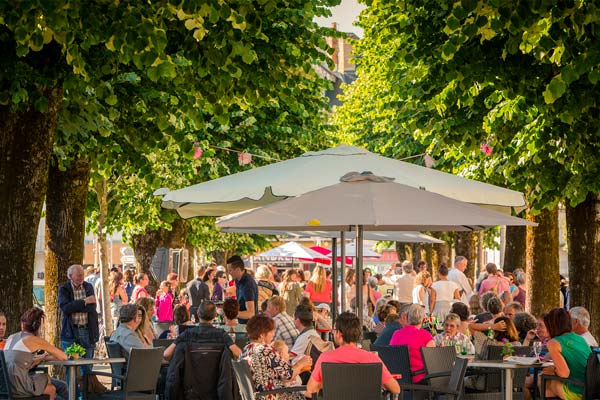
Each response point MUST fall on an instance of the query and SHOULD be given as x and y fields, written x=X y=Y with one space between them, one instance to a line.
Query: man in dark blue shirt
x=246 y=289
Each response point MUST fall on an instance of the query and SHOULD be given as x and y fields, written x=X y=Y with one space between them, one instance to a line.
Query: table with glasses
x=72 y=365
x=507 y=367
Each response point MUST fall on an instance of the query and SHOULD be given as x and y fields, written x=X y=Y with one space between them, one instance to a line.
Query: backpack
x=592 y=372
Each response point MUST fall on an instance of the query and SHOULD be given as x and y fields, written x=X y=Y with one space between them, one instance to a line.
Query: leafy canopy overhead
x=517 y=78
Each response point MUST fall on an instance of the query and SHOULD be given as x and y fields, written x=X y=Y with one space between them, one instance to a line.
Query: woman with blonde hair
x=318 y=289
x=264 y=281
x=290 y=290
x=422 y=292
x=350 y=287
x=145 y=330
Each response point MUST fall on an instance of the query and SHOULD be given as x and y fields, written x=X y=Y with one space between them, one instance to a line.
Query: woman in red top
x=318 y=289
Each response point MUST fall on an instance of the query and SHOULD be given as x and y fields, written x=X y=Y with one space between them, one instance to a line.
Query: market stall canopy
x=314 y=170
x=291 y=250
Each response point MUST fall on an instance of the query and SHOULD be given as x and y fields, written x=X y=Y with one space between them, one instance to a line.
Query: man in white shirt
x=304 y=320
x=580 y=321
x=457 y=275
x=404 y=283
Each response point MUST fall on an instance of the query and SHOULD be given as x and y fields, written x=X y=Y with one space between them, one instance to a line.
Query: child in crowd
x=282 y=349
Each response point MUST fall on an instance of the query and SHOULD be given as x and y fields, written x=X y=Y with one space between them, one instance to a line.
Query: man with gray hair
x=580 y=322
x=457 y=275
x=77 y=301
x=403 y=281
x=130 y=317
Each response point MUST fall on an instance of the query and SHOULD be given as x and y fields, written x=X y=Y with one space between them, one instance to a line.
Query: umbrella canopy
x=313 y=170
x=366 y=202
x=403 y=237
x=372 y=205
x=291 y=250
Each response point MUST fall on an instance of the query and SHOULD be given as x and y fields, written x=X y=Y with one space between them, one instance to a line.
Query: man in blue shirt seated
x=130 y=317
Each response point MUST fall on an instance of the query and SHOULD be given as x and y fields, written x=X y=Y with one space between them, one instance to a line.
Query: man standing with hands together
x=77 y=302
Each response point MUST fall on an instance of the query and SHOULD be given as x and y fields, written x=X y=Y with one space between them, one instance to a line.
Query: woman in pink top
x=163 y=305
x=318 y=289
x=414 y=337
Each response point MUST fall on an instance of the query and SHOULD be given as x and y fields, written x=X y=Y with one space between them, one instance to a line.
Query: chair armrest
x=99 y=373
x=437 y=375
x=561 y=379
x=426 y=388
x=289 y=389
x=418 y=372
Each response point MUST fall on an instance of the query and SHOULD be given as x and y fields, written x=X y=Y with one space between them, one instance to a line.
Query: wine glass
x=537 y=349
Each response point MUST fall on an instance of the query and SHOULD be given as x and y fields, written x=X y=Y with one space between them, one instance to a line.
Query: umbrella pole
x=359 y=273
x=343 y=267
x=334 y=302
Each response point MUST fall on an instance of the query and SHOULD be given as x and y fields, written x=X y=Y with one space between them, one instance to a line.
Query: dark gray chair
x=139 y=382
x=243 y=377
x=438 y=362
x=397 y=361
x=351 y=381
x=162 y=342
x=114 y=350
x=453 y=390
x=5 y=392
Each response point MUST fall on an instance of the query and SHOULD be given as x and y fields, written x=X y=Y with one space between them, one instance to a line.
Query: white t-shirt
x=403 y=287
x=590 y=339
x=457 y=276
x=444 y=290
x=301 y=343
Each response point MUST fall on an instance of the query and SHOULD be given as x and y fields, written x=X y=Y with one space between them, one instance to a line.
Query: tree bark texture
x=515 y=248
x=441 y=254
x=465 y=244
x=543 y=282
x=26 y=140
x=65 y=229
x=401 y=251
x=583 y=233
x=145 y=245
x=101 y=188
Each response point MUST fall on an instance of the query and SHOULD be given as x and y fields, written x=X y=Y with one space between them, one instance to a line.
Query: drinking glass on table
x=537 y=349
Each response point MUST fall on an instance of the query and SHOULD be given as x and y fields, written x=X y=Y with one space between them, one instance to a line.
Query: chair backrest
x=114 y=350
x=143 y=368
x=591 y=389
x=351 y=381
x=458 y=374
x=4 y=384
x=396 y=359
x=243 y=376
x=162 y=342
x=437 y=360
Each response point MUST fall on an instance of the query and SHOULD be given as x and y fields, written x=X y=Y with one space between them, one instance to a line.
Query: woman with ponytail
x=24 y=351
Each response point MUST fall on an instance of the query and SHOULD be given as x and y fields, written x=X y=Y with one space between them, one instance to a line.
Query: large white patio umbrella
x=313 y=170
x=367 y=202
x=291 y=250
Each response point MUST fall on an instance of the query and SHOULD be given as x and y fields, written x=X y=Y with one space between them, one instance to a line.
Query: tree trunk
x=465 y=244
x=441 y=254
x=515 y=249
x=583 y=233
x=401 y=251
x=65 y=230
x=26 y=140
x=145 y=245
x=542 y=274
x=101 y=188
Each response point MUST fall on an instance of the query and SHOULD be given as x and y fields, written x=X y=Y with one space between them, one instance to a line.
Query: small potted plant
x=507 y=348
x=75 y=351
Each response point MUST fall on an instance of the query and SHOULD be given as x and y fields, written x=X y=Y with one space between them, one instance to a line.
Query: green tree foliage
x=133 y=77
x=519 y=77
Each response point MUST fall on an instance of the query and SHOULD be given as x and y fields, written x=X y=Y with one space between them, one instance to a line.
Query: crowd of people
x=285 y=316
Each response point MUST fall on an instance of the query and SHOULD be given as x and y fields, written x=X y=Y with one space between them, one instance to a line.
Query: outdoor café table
x=507 y=367
x=71 y=366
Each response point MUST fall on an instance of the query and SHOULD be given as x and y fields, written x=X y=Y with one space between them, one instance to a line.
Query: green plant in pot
x=75 y=351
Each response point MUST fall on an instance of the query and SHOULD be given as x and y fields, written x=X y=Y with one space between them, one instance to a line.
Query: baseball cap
x=323 y=306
